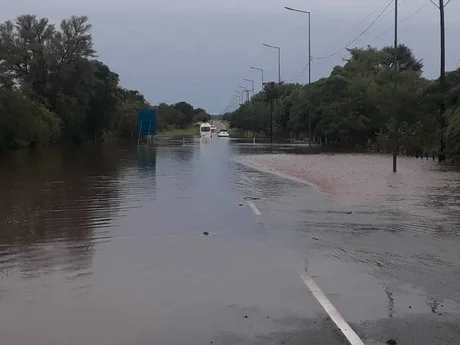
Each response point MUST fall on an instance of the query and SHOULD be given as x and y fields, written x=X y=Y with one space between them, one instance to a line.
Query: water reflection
x=54 y=204
x=147 y=158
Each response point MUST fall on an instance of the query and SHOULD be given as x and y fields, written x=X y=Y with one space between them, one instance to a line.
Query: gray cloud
x=200 y=50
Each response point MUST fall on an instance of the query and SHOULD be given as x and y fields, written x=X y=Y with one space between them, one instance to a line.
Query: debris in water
x=379 y=264
x=245 y=316
x=206 y=233
x=314 y=238
x=391 y=342
x=350 y=212
x=248 y=198
x=241 y=204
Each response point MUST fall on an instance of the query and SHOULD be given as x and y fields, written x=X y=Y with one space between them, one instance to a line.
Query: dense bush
x=52 y=89
x=363 y=104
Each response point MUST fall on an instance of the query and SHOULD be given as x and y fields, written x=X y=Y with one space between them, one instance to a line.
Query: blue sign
x=147 y=121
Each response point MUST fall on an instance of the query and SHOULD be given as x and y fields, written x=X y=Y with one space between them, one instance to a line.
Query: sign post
x=147 y=124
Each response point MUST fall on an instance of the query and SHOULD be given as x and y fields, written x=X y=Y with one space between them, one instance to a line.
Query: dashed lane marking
x=333 y=313
x=254 y=208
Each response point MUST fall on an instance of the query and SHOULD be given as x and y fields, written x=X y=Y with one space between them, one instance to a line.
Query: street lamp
x=279 y=59
x=260 y=69
x=240 y=96
x=309 y=59
x=309 y=38
x=252 y=81
x=245 y=89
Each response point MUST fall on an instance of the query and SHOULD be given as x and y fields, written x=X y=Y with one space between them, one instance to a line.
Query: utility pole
x=309 y=76
x=395 y=66
x=252 y=81
x=442 y=77
x=271 y=120
x=309 y=63
x=245 y=89
x=279 y=59
x=261 y=70
x=279 y=66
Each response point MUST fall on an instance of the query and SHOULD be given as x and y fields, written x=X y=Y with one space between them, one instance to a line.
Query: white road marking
x=254 y=208
x=344 y=327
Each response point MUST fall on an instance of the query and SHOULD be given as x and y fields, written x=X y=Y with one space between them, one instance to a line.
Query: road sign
x=147 y=121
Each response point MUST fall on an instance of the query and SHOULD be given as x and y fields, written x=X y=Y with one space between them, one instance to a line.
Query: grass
x=239 y=133
x=192 y=130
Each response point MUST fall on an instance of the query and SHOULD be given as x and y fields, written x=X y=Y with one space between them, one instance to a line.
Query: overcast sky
x=199 y=50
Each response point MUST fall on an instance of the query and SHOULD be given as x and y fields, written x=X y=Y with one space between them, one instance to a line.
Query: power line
x=344 y=35
x=357 y=25
x=403 y=20
x=392 y=10
x=301 y=72
x=359 y=36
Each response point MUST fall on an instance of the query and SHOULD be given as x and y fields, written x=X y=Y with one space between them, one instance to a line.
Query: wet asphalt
x=161 y=246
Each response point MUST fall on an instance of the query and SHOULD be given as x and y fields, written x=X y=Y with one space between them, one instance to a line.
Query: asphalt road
x=185 y=245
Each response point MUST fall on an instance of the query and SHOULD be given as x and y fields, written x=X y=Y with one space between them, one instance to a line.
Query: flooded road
x=182 y=244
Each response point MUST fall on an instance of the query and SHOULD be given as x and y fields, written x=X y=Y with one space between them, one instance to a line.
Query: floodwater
x=120 y=245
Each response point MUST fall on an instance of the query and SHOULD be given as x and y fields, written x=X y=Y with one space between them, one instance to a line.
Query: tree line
x=363 y=104
x=53 y=89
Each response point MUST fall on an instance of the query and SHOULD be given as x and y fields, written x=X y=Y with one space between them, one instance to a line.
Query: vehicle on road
x=205 y=130
x=223 y=133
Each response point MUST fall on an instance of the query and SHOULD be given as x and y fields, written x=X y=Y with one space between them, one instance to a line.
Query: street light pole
x=252 y=81
x=279 y=60
x=309 y=61
x=240 y=96
x=260 y=69
x=246 y=90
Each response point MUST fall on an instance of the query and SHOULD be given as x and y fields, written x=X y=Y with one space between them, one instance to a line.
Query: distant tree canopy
x=52 y=88
x=359 y=105
x=179 y=115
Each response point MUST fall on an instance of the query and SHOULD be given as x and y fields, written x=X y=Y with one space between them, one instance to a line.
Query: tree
x=52 y=88
x=24 y=123
x=104 y=98
x=358 y=106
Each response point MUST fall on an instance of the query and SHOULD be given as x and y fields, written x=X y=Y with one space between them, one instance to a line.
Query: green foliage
x=362 y=104
x=453 y=133
x=178 y=116
x=24 y=123
x=52 y=88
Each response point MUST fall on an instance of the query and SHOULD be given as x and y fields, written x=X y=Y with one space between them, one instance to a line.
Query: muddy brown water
x=105 y=245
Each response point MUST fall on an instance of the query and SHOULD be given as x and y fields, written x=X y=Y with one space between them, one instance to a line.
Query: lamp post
x=260 y=69
x=252 y=81
x=245 y=89
x=237 y=94
x=279 y=59
x=309 y=60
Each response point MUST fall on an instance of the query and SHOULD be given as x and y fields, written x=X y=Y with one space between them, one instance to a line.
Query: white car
x=223 y=133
